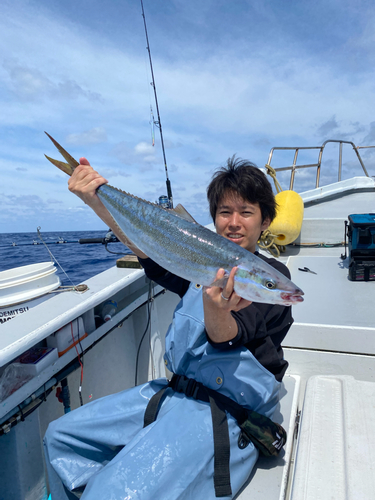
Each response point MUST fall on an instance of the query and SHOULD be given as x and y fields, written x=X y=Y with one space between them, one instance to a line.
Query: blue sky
x=233 y=77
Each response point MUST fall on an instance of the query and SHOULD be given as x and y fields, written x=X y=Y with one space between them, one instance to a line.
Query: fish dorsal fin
x=182 y=212
x=135 y=197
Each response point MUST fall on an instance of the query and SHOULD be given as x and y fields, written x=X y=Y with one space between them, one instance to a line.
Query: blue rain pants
x=103 y=448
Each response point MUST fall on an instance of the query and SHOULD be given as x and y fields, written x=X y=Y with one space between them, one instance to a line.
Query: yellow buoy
x=287 y=224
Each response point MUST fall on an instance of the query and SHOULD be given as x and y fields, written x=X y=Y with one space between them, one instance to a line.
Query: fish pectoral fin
x=221 y=282
x=182 y=212
x=65 y=167
x=71 y=161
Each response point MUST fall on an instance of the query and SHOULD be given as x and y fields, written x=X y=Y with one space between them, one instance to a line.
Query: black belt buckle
x=187 y=386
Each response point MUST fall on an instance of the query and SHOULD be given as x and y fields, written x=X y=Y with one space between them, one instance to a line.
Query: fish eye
x=270 y=284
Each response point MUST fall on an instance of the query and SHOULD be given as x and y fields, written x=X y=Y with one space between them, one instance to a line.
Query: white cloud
x=54 y=201
x=30 y=84
x=144 y=149
x=94 y=136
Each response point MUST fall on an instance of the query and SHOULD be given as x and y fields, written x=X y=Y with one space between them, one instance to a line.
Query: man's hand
x=218 y=304
x=84 y=182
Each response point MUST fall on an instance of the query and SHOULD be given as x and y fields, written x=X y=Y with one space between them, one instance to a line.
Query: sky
x=232 y=78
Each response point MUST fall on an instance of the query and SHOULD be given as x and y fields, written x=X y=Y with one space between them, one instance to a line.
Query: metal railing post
x=318 y=166
x=340 y=161
x=293 y=173
x=360 y=159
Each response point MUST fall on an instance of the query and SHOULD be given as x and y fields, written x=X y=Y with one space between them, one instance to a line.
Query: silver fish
x=189 y=250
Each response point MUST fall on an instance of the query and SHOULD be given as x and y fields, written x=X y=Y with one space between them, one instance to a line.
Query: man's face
x=240 y=221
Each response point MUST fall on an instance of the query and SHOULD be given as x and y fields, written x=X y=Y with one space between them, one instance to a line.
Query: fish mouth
x=292 y=297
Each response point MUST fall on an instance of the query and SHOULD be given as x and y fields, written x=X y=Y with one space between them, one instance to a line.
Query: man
x=182 y=442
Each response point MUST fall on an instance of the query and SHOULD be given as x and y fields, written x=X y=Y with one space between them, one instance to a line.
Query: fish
x=187 y=249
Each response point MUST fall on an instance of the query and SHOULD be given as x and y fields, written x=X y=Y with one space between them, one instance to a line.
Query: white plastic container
x=22 y=288
x=68 y=336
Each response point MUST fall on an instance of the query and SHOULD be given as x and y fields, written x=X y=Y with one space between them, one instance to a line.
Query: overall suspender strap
x=221 y=450
x=153 y=406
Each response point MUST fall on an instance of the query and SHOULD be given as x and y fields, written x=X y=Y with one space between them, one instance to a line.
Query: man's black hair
x=244 y=179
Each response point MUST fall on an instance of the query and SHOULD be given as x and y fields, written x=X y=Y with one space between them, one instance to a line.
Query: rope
x=272 y=172
x=267 y=242
x=267 y=239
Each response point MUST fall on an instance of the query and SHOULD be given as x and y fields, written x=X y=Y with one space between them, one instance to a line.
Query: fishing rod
x=158 y=122
x=108 y=238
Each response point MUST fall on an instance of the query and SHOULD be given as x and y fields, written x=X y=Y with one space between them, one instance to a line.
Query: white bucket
x=24 y=287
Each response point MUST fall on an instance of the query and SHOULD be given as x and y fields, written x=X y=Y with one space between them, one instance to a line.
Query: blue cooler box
x=361 y=237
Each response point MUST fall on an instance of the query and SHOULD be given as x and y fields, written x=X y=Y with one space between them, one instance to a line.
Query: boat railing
x=317 y=165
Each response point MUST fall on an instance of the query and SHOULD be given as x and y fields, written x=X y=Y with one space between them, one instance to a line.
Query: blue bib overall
x=104 y=445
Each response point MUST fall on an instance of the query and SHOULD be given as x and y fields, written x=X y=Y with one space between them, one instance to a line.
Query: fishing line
x=157 y=122
x=53 y=258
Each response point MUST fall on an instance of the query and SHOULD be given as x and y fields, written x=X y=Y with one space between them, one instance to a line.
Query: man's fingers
x=229 y=287
x=84 y=161
x=219 y=274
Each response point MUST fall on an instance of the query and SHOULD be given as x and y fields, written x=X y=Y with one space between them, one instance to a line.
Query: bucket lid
x=25 y=283
x=25 y=273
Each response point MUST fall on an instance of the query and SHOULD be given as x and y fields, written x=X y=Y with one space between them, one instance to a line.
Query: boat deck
x=337 y=314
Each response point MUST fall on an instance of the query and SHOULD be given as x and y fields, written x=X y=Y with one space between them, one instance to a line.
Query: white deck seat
x=336 y=444
x=269 y=477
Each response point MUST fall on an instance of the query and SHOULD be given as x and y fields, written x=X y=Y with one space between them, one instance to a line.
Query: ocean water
x=79 y=261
